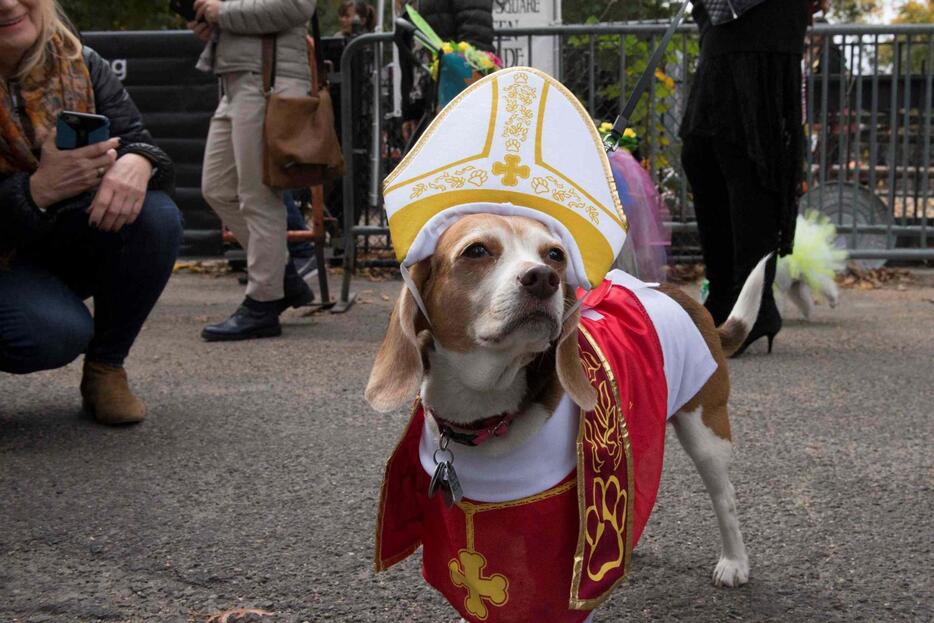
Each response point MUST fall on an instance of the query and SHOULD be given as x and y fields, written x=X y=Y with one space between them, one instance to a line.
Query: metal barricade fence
x=867 y=99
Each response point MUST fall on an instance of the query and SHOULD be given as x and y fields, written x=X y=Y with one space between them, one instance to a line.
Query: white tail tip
x=750 y=297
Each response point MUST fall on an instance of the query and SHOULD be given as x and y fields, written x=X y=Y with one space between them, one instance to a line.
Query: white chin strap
x=573 y=309
x=413 y=290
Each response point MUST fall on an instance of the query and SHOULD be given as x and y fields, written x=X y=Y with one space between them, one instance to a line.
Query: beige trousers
x=232 y=179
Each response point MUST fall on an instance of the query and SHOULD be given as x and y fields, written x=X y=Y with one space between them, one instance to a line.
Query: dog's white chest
x=544 y=460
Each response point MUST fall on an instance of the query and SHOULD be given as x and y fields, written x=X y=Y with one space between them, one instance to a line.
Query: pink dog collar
x=475 y=433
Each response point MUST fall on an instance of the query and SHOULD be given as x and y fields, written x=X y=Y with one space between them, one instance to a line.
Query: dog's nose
x=541 y=281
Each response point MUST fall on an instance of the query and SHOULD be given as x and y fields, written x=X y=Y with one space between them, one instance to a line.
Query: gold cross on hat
x=511 y=170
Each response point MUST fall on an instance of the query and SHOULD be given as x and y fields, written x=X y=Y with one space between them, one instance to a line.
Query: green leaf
x=423 y=26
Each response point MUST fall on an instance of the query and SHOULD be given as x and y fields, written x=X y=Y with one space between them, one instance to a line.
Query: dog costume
x=546 y=532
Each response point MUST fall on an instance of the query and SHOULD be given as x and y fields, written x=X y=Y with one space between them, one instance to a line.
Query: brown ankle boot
x=107 y=395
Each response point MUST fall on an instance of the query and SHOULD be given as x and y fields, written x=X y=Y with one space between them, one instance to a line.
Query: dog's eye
x=555 y=254
x=476 y=250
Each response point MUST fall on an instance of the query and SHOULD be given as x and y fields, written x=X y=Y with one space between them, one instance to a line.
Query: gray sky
x=890 y=7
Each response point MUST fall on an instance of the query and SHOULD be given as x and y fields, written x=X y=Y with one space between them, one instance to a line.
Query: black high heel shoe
x=752 y=338
x=768 y=324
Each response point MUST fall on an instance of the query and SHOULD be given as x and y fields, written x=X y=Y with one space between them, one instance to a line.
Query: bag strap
x=313 y=59
x=611 y=141
x=313 y=64
x=270 y=47
x=269 y=63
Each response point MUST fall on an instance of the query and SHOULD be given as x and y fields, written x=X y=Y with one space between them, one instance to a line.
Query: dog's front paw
x=731 y=573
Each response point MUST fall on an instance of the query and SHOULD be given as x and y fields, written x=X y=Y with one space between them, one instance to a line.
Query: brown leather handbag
x=300 y=141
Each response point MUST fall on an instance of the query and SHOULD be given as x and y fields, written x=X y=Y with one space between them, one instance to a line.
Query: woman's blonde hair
x=52 y=23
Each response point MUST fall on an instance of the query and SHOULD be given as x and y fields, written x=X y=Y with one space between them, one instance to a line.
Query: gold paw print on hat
x=517 y=139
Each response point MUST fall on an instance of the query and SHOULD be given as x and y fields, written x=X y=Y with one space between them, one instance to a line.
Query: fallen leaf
x=239 y=615
x=211 y=267
x=869 y=279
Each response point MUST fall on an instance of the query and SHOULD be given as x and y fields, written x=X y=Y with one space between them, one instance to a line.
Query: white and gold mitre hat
x=516 y=142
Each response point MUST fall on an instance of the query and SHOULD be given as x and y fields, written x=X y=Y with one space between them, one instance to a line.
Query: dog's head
x=495 y=285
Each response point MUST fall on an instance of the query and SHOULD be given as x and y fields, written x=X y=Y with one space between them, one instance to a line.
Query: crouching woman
x=92 y=222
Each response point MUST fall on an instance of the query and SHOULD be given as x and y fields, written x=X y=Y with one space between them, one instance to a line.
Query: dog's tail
x=734 y=331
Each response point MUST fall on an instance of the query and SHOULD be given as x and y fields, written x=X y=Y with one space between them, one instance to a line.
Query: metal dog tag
x=445 y=479
x=438 y=478
x=451 y=487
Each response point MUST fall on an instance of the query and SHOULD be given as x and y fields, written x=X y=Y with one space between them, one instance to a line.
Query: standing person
x=232 y=177
x=79 y=223
x=452 y=20
x=355 y=17
x=345 y=14
x=743 y=144
x=460 y=20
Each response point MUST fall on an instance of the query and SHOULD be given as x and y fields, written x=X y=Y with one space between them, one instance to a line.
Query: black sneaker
x=297 y=292
x=253 y=319
x=307 y=267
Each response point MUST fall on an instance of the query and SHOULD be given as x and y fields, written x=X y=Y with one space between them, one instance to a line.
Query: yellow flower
x=463 y=46
x=447 y=48
x=666 y=80
x=629 y=133
x=606 y=126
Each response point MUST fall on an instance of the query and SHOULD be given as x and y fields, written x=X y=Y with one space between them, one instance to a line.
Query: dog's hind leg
x=705 y=436
x=828 y=288
x=801 y=295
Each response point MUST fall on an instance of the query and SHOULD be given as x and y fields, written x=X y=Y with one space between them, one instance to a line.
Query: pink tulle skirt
x=645 y=253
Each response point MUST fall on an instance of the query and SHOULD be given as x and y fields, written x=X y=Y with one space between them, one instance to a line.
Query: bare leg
x=711 y=455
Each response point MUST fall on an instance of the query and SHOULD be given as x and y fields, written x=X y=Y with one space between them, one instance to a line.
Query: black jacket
x=460 y=20
x=776 y=26
x=722 y=11
x=453 y=20
x=21 y=222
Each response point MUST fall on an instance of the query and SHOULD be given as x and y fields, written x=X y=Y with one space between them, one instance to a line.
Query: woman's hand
x=121 y=195
x=202 y=30
x=64 y=173
x=208 y=10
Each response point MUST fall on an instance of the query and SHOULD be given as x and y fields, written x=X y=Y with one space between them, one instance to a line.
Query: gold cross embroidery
x=467 y=572
x=511 y=170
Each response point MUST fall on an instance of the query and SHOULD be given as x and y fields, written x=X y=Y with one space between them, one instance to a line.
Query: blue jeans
x=296 y=222
x=44 y=323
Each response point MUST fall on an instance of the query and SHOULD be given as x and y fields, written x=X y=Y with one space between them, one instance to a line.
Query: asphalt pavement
x=254 y=480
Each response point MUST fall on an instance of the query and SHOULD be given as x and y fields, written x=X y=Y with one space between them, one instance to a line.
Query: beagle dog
x=500 y=336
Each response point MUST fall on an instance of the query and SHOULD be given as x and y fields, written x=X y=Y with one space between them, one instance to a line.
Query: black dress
x=743 y=141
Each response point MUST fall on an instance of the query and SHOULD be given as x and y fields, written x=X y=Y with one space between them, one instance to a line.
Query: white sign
x=528 y=14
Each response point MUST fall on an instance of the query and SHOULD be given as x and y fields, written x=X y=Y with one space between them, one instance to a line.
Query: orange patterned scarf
x=60 y=83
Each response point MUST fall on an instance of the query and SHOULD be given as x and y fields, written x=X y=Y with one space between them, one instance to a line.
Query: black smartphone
x=185 y=8
x=78 y=129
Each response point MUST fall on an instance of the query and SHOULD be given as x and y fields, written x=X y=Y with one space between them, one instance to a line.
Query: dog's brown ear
x=398 y=369
x=570 y=370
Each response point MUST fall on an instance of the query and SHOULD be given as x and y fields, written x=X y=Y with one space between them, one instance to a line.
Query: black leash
x=612 y=138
